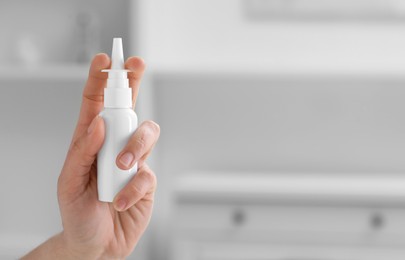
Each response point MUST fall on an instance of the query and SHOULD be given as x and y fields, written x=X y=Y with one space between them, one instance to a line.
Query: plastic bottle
x=120 y=123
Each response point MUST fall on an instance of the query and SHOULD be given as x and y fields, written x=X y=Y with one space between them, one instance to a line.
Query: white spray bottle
x=120 y=123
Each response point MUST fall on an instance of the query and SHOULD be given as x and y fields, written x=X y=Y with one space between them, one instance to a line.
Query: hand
x=94 y=229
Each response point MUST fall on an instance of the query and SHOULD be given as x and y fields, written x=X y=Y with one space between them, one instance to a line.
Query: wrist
x=62 y=247
x=74 y=250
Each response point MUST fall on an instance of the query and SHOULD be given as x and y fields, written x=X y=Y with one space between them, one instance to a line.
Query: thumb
x=82 y=154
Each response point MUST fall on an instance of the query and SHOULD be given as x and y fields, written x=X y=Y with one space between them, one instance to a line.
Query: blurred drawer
x=208 y=250
x=349 y=224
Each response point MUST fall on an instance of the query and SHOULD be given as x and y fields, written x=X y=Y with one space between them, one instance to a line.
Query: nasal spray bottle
x=120 y=123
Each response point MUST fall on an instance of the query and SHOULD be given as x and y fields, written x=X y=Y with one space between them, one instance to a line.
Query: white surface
x=375 y=188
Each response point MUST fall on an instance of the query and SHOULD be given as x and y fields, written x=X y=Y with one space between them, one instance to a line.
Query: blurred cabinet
x=255 y=225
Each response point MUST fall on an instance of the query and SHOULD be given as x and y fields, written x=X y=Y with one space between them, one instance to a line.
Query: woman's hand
x=94 y=229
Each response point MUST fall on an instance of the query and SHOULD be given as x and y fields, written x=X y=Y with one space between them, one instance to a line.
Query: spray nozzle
x=117 y=94
x=117 y=70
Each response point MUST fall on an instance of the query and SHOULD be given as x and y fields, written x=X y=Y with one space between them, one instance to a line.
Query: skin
x=94 y=229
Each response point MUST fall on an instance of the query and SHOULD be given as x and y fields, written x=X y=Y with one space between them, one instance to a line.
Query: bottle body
x=120 y=124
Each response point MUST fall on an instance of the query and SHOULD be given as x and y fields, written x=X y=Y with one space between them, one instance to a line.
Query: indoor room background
x=282 y=122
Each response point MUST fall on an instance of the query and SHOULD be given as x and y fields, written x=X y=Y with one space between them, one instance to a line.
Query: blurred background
x=283 y=127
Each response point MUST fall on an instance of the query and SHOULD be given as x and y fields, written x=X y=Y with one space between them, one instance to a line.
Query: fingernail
x=120 y=205
x=92 y=125
x=126 y=159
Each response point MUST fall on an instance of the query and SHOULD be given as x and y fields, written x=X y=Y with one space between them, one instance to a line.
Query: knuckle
x=141 y=139
x=153 y=126
x=144 y=136
x=95 y=98
x=135 y=191
x=149 y=176
x=148 y=133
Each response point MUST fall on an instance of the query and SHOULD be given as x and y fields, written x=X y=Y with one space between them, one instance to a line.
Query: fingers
x=137 y=66
x=140 y=186
x=96 y=82
x=83 y=150
x=139 y=146
x=93 y=93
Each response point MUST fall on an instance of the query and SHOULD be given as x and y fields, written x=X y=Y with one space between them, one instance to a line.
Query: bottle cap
x=117 y=94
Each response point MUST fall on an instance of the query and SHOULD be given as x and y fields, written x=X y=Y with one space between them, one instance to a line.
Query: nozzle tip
x=117 y=55
x=117 y=40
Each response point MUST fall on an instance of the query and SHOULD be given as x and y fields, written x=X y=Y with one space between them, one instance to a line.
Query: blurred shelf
x=58 y=71
x=283 y=74
x=373 y=189
x=288 y=70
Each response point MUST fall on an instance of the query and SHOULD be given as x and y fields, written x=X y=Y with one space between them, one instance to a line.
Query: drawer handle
x=238 y=217
x=377 y=221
